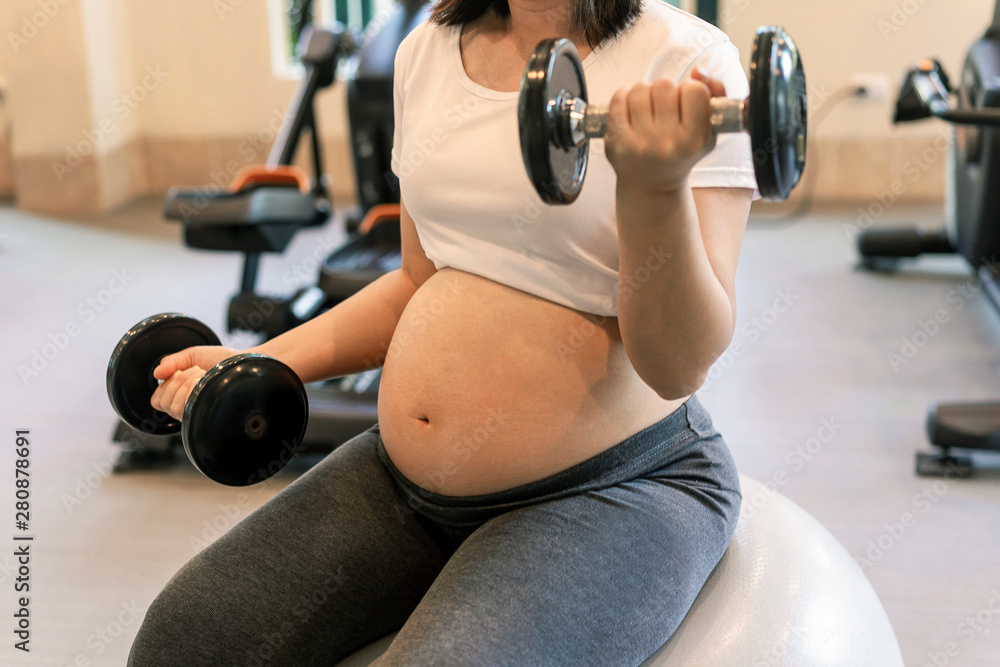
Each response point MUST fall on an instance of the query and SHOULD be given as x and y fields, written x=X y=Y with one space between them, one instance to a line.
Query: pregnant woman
x=542 y=487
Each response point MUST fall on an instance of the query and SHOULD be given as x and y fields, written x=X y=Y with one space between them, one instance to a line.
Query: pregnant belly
x=486 y=387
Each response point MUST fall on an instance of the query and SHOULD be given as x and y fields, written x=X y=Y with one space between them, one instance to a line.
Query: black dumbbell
x=243 y=420
x=556 y=123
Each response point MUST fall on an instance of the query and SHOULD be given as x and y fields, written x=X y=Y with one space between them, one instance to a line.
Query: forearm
x=349 y=338
x=675 y=315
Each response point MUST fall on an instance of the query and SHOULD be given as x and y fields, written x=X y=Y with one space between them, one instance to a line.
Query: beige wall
x=186 y=91
x=45 y=61
x=105 y=28
x=220 y=81
x=858 y=153
x=109 y=99
x=844 y=38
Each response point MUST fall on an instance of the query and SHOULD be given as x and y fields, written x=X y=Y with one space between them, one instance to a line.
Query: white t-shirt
x=457 y=154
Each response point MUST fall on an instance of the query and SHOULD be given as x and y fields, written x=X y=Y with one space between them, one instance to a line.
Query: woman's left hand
x=657 y=132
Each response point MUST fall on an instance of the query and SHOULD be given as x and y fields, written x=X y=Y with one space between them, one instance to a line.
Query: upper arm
x=723 y=182
x=415 y=264
x=722 y=216
x=730 y=163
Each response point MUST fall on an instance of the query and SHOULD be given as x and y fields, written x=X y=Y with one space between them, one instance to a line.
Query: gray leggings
x=596 y=565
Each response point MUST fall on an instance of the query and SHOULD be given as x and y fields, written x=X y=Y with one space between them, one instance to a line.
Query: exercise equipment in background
x=973 y=223
x=267 y=206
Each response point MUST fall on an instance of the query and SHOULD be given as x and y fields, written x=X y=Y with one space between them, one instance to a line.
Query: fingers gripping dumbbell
x=556 y=122
x=243 y=420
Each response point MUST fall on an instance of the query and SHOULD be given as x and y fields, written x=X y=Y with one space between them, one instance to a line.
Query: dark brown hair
x=597 y=20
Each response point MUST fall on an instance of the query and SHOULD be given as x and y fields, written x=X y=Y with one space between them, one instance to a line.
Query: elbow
x=675 y=371
x=674 y=376
x=678 y=385
x=673 y=379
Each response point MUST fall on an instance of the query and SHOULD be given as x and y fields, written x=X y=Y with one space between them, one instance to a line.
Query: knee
x=185 y=624
x=161 y=633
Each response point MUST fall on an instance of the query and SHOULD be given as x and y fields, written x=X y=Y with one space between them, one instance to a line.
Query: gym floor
x=809 y=399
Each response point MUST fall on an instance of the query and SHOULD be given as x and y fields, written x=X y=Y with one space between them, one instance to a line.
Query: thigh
x=333 y=561
x=602 y=578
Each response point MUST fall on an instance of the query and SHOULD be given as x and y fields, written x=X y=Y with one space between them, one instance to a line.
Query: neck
x=531 y=21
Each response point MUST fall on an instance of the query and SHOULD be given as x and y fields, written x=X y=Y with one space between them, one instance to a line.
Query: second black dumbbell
x=243 y=420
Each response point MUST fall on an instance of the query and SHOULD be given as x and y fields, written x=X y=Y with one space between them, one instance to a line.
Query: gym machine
x=266 y=206
x=973 y=223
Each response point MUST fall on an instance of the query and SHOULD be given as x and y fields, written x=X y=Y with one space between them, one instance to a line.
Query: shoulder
x=669 y=40
x=426 y=40
x=660 y=24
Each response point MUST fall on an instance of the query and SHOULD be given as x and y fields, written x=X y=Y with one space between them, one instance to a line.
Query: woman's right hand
x=180 y=372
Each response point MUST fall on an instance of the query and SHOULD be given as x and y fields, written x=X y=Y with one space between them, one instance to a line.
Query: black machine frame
x=972 y=229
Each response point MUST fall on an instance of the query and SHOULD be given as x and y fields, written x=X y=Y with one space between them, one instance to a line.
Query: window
x=357 y=13
x=706 y=9
x=288 y=16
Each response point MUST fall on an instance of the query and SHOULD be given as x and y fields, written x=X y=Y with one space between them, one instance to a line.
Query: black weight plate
x=778 y=112
x=556 y=172
x=245 y=419
x=130 y=380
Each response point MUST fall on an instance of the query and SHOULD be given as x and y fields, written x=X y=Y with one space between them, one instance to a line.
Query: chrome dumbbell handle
x=590 y=121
